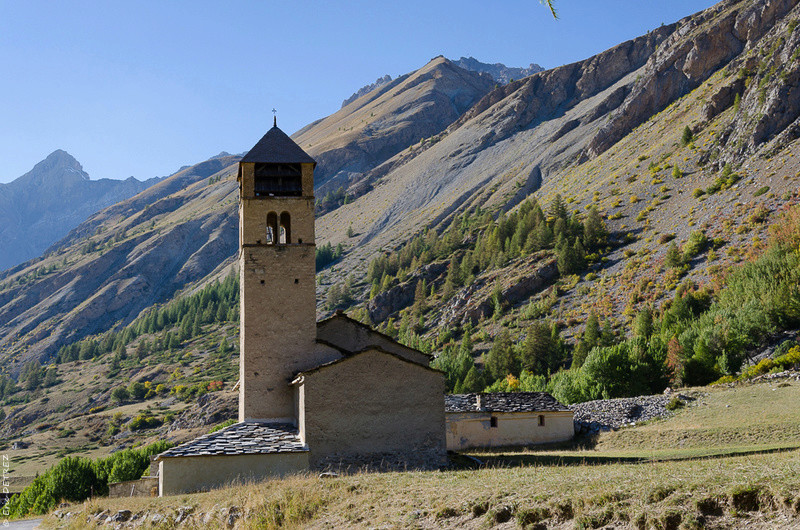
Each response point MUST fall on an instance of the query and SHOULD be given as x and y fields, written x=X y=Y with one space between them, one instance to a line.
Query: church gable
x=370 y=407
x=351 y=335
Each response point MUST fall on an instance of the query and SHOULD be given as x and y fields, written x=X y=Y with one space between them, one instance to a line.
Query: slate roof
x=276 y=147
x=244 y=438
x=503 y=402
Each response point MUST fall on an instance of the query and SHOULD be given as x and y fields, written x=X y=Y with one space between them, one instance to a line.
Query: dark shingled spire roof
x=277 y=148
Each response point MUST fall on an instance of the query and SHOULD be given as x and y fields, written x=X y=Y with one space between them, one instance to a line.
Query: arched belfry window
x=272 y=228
x=285 y=229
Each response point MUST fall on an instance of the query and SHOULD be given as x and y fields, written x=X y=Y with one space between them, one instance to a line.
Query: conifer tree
x=674 y=257
x=558 y=208
x=643 y=324
x=686 y=136
x=537 y=353
x=594 y=230
x=473 y=382
x=500 y=360
x=51 y=376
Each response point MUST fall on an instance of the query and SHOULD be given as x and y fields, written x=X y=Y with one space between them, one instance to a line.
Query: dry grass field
x=732 y=460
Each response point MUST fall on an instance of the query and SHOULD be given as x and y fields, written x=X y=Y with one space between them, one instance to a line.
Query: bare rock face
x=402 y=296
x=722 y=99
x=388 y=118
x=700 y=46
x=476 y=301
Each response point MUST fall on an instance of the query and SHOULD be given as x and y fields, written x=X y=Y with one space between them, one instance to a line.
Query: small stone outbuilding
x=505 y=419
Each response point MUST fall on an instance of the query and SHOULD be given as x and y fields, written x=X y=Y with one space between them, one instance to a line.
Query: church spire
x=274 y=117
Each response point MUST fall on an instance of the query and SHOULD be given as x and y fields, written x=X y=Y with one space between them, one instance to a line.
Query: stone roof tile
x=503 y=402
x=244 y=438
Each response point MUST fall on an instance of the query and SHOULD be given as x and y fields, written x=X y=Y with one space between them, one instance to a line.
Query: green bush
x=120 y=394
x=675 y=403
x=226 y=423
x=696 y=243
x=73 y=479
x=142 y=422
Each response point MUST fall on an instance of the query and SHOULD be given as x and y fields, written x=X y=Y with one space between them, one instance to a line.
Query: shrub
x=226 y=423
x=696 y=243
x=142 y=422
x=137 y=390
x=73 y=479
x=675 y=403
x=761 y=191
x=120 y=394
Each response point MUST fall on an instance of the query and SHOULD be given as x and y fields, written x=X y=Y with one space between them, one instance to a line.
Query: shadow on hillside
x=512 y=458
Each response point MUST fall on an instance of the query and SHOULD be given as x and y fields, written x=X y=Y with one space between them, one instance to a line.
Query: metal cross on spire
x=274 y=117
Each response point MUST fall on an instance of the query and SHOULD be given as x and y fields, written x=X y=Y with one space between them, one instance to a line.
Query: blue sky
x=142 y=88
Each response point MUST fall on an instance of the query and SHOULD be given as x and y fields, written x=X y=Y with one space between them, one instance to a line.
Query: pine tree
x=537 y=353
x=500 y=360
x=591 y=334
x=558 y=208
x=51 y=376
x=674 y=257
x=686 y=136
x=473 y=382
x=643 y=324
x=594 y=230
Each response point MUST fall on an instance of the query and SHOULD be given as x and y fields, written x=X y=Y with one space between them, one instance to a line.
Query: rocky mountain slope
x=558 y=129
x=387 y=120
x=130 y=256
x=728 y=73
x=40 y=207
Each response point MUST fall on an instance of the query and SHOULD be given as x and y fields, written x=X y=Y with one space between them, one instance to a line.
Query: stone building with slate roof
x=311 y=395
x=505 y=419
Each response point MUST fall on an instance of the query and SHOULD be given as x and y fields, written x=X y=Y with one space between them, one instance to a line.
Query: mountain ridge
x=41 y=206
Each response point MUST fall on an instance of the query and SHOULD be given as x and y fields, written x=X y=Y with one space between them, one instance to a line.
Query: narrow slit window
x=493 y=421
x=541 y=420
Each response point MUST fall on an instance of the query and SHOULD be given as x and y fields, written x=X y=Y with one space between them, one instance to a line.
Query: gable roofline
x=344 y=351
x=276 y=147
x=298 y=378
x=342 y=315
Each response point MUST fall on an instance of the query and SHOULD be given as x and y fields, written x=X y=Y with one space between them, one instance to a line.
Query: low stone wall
x=144 y=487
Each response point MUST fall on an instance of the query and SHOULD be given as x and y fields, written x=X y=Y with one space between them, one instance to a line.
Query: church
x=312 y=395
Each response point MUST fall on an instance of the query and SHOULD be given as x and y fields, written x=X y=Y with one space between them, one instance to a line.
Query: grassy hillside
x=714 y=468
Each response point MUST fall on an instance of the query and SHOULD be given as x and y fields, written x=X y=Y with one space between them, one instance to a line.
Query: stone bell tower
x=276 y=275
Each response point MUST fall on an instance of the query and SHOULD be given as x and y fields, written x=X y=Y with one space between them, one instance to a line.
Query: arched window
x=286 y=229
x=272 y=228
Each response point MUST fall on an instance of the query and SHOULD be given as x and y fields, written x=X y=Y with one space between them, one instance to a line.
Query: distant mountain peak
x=367 y=89
x=499 y=72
